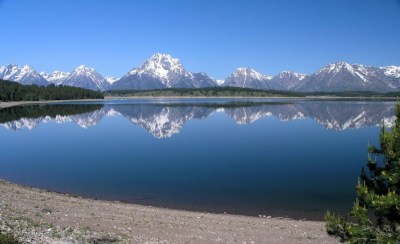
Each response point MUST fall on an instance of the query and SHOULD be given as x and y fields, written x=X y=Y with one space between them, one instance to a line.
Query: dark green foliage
x=243 y=92
x=36 y=111
x=8 y=239
x=375 y=217
x=392 y=94
x=205 y=92
x=13 y=91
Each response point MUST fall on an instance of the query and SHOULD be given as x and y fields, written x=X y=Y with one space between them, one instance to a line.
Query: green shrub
x=375 y=217
x=7 y=239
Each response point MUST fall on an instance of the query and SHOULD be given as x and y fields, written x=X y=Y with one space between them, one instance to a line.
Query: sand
x=40 y=216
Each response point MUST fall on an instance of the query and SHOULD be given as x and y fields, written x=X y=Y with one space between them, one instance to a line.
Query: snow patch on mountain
x=249 y=78
x=161 y=66
x=220 y=82
x=56 y=77
x=162 y=71
x=342 y=76
x=25 y=75
x=86 y=77
x=111 y=80
x=392 y=71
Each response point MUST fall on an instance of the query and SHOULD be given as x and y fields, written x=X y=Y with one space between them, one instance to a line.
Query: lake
x=274 y=157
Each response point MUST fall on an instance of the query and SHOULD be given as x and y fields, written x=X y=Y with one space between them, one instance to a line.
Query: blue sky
x=214 y=36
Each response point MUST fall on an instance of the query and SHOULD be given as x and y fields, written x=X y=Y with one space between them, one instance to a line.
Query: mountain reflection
x=165 y=120
x=30 y=116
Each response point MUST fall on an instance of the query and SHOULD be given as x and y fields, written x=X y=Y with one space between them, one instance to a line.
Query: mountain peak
x=335 y=67
x=27 y=67
x=159 y=56
x=24 y=75
x=56 y=77
x=340 y=64
x=86 y=77
x=247 y=77
x=249 y=73
x=84 y=68
x=161 y=66
x=246 y=70
x=162 y=71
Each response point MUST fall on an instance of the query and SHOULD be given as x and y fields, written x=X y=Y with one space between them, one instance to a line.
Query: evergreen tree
x=375 y=217
x=13 y=91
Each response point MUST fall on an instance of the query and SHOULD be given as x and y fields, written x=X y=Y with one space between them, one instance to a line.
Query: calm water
x=291 y=158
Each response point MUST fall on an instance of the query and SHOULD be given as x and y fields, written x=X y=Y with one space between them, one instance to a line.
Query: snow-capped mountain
x=111 y=80
x=220 y=82
x=290 y=80
x=56 y=77
x=86 y=77
x=342 y=76
x=391 y=71
x=25 y=75
x=162 y=71
x=249 y=78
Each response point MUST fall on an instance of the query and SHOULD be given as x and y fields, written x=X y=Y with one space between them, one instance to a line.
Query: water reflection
x=30 y=116
x=165 y=120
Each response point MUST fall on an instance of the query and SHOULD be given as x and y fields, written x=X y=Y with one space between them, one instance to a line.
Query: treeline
x=13 y=91
x=242 y=92
x=354 y=94
x=204 y=92
x=36 y=111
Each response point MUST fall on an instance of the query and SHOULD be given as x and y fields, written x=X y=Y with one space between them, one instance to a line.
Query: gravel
x=39 y=216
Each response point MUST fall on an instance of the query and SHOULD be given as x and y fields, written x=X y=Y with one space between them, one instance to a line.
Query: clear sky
x=213 y=36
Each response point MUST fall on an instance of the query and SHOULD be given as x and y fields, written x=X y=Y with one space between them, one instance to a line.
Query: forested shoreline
x=13 y=91
x=241 y=92
x=204 y=92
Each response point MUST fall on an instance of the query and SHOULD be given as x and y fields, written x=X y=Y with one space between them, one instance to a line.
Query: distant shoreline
x=19 y=103
x=233 y=97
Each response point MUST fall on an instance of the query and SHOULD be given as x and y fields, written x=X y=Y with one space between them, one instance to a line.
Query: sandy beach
x=39 y=216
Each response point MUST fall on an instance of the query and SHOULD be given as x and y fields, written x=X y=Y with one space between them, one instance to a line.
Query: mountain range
x=163 y=71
